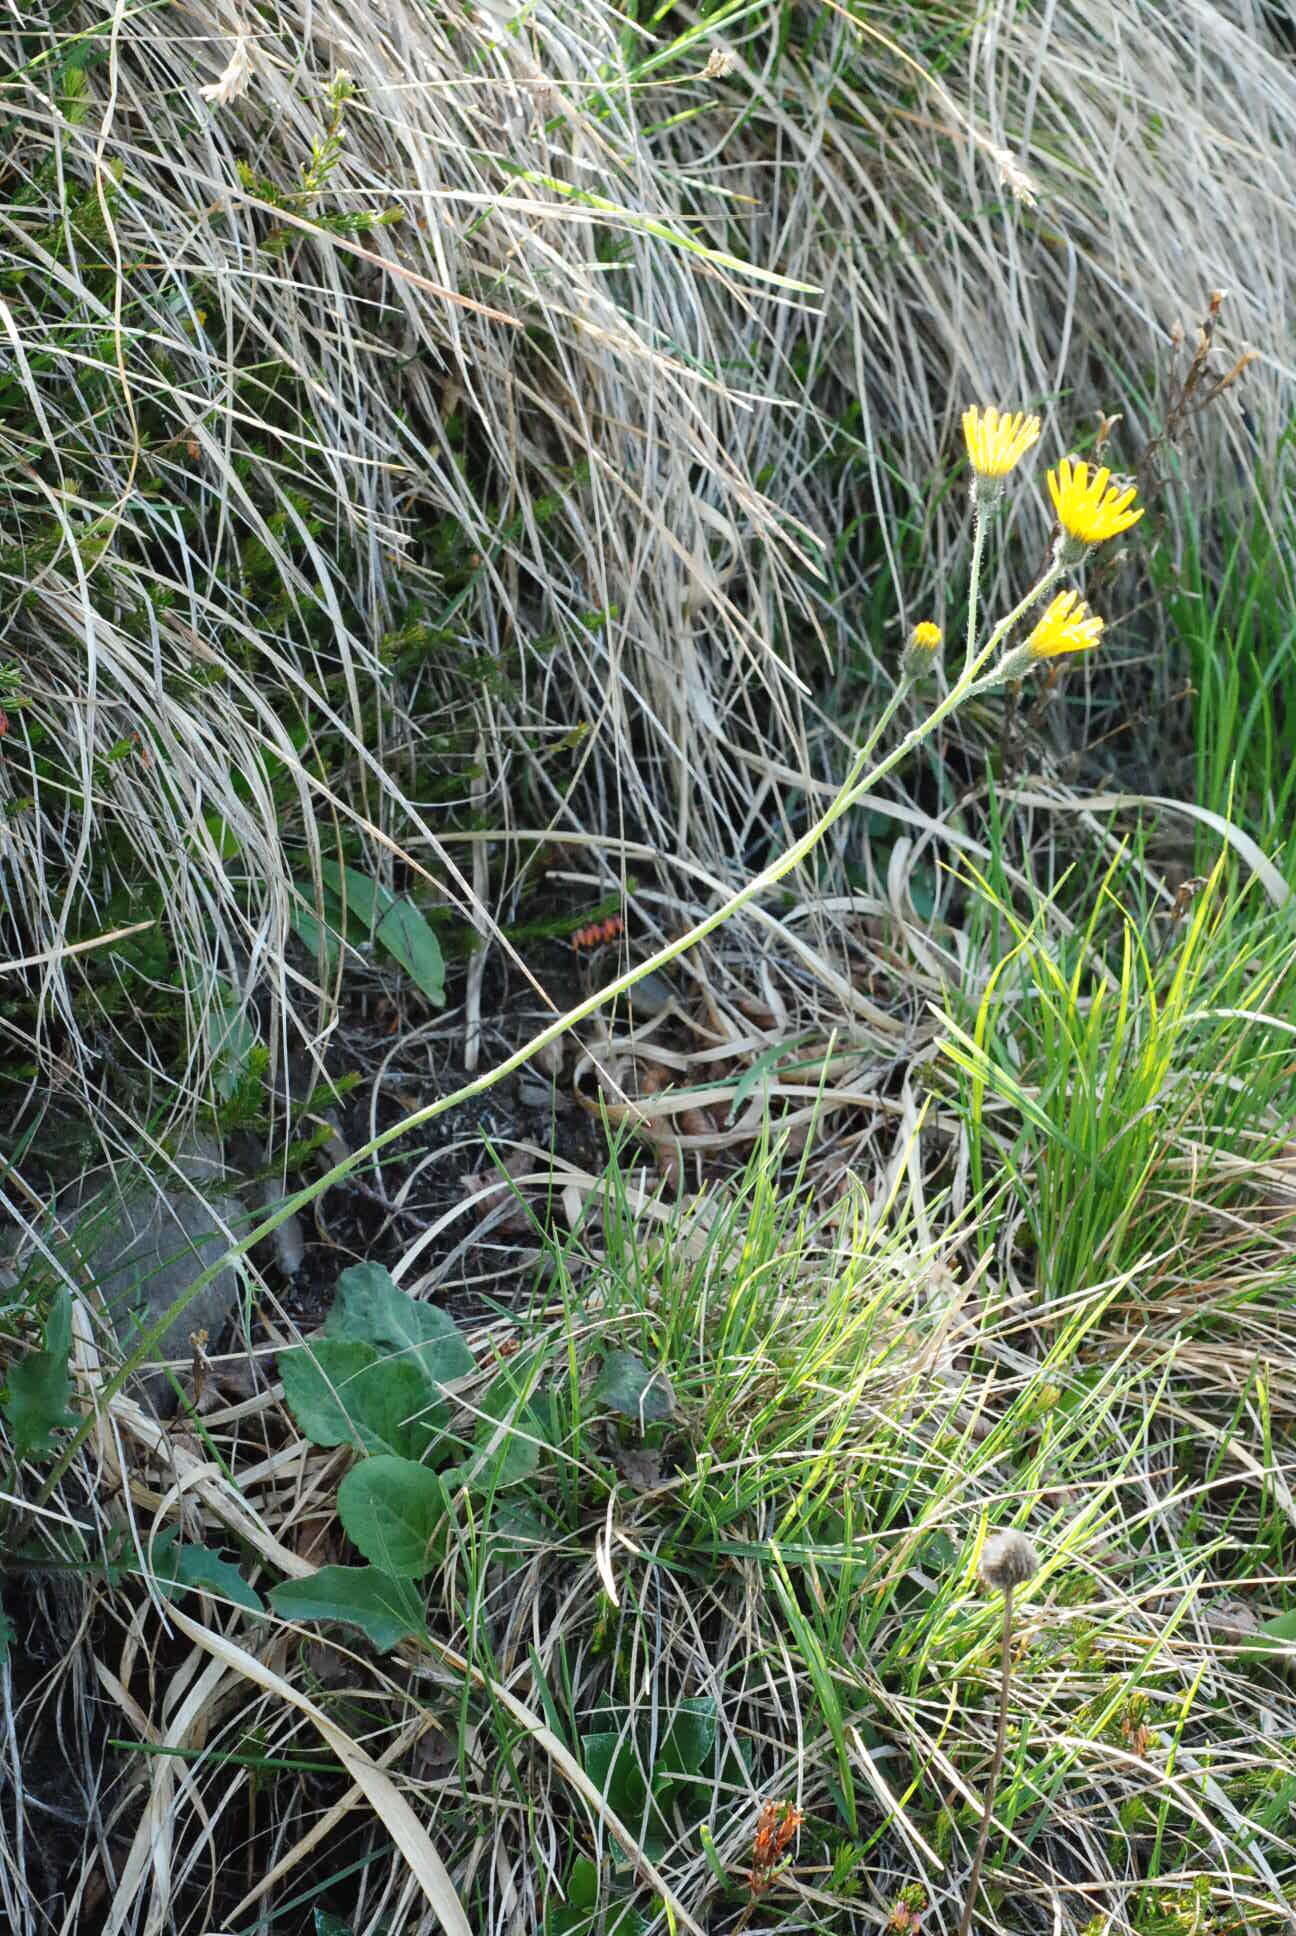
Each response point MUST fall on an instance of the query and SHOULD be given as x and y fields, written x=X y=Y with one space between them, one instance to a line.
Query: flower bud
x=920 y=651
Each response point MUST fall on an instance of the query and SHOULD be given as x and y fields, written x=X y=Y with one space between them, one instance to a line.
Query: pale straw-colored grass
x=616 y=343
x=650 y=293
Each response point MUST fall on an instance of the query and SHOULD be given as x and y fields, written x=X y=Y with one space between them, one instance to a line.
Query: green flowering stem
x=974 y=576
x=1017 y=660
x=1007 y=1560
x=859 y=781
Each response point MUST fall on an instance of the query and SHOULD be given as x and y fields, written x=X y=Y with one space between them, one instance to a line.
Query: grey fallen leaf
x=534 y=1093
x=640 y=1467
x=1233 y=1617
x=495 y=1196
x=548 y=1061
x=650 y=996
x=329 y=1666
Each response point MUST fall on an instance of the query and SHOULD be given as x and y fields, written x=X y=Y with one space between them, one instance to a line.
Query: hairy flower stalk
x=996 y=442
x=1066 y=626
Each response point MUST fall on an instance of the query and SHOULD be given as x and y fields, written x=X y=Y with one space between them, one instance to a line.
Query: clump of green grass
x=1129 y=1085
x=1230 y=627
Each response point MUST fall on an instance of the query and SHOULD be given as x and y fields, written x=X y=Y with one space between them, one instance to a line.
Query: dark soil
x=403 y=1064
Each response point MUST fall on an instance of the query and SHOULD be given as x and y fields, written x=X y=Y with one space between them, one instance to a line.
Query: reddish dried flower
x=908 y=1910
x=775 y=1831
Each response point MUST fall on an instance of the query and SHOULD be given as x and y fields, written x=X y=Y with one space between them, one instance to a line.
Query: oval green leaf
x=392 y=1510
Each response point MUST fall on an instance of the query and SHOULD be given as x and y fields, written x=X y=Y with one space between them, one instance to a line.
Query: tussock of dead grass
x=243 y=429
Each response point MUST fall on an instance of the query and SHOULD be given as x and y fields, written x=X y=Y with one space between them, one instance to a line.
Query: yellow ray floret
x=1090 y=508
x=926 y=637
x=997 y=442
x=1067 y=626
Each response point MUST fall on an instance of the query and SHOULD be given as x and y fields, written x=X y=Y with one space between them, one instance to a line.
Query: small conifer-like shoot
x=1008 y=1561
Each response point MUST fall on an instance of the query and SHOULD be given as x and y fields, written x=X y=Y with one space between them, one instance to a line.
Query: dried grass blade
x=380 y=1791
x=1242 y=844
x=566 y=1762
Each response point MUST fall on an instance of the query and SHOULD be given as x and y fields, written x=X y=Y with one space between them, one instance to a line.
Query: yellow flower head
x=996 y=443
x=1091 y=509
x=1067 y=626
x=926 y=637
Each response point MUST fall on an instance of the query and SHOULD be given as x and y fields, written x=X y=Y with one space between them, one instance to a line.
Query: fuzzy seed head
x=1008 y=1560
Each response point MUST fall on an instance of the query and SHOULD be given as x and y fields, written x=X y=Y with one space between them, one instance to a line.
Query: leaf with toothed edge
x=36 y=1402
x=387 y=1610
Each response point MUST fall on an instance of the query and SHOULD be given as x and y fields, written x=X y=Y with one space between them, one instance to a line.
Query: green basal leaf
x=387 y=1610
x=392 y=1510
x=36 y=1402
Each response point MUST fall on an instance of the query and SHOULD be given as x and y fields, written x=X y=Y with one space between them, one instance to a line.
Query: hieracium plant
x=1007 y=1561
x=1090 y=506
